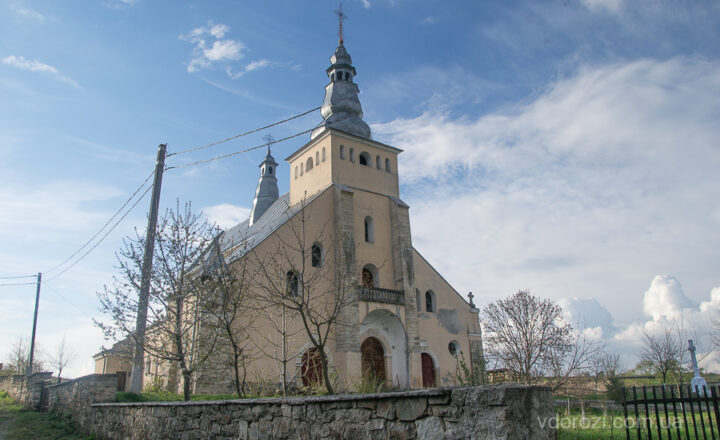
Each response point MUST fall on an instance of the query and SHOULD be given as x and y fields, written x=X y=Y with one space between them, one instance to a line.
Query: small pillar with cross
x=698 y=384
x=470 y=300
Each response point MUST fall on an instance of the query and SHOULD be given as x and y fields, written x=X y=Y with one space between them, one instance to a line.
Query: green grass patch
x=22 y=424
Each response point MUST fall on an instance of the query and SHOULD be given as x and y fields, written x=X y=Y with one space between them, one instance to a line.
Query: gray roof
x=244 y=237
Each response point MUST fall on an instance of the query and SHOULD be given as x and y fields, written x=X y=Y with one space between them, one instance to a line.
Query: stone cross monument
x=698 y=384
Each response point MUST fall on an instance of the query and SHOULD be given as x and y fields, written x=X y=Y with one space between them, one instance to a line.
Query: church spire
x=267 y=188
x=341 y=109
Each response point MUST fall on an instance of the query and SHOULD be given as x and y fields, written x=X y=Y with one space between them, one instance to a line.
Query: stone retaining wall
x=75 y=397
x=490 y=412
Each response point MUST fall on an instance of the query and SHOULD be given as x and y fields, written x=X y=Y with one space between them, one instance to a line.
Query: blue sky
x=568 y=147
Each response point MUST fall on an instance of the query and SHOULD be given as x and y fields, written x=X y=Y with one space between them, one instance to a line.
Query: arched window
x=296 y=171
x=332 y=77
x=323 y=154
x=370 y=276
x=316 y=255
x=352 y=155
x=365 y=159
x=262 y=171
x=309 y=165
x=342 y=152
x=293 y=283
x=270 y=170
x=301 y=168
x=377 y=162
x=317 y=158
x=430 y=305
x=369 y=230
x=417 y=300
x=387 y=164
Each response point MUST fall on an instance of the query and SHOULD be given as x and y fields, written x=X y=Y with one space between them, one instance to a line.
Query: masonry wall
x=495 y=412
x=75 y=397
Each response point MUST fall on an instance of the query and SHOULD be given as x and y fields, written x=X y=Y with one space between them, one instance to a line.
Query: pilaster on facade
x=345 y=270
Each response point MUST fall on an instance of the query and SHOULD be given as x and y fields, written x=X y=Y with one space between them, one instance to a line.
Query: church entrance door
x=311 y=369
x=428 y=370
x=373 y=360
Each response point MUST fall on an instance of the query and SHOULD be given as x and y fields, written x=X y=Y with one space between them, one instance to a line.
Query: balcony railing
x=376 y=294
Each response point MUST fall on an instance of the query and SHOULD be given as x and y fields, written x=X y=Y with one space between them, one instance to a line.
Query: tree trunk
x=186 y=385
x=326 y=373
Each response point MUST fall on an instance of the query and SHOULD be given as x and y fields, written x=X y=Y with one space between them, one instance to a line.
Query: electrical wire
x=18 y=277
x=16 y=284
x=224 y=156
x=243 y=134
x=103 y=227
x=104 y=236
x=46 y=284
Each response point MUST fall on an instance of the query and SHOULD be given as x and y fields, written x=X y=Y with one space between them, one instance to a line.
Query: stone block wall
x=490 y=412
x=75 y=397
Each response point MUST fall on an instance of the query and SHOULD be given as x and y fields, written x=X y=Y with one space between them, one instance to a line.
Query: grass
x=25 y=424
x=611 y=425
x=167 y=396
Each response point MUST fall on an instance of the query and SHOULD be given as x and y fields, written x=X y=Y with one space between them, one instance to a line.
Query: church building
x=400 y=321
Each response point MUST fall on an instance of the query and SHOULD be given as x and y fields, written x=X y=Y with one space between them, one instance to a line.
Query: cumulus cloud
x=226 y=215
x=588 y=313
x=211 y=47
x=665 y=298
x=22 y=63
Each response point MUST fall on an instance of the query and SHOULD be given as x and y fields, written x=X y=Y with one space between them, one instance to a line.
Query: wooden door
x=373 y=360
x=428 y=370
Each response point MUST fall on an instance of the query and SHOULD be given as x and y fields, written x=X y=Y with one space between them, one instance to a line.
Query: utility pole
x=29 y=368
x=139 y=360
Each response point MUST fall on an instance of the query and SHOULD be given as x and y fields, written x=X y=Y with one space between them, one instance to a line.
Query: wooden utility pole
x=29 y=369
x=139 y=359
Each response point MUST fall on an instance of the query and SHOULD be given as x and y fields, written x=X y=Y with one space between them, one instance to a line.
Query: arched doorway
x=311 y=368
x=428 y=370
x=373 y=360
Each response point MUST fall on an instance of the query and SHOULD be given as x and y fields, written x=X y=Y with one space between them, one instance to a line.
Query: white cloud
x=606 y=5
x=226 y=215
x=120 y=4
x=254 y=65
x=27 y=12
x=604 y=179
x=212 y=48
x=665 y=298
x=23 y=63
x=588 y=313
x=366 y=4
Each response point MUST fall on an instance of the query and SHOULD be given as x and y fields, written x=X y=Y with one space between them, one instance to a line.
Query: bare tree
x=62 y=357
x=228 y=305
x=528 y=335
x=176 y=294
x=665 y=349
x=305 y=278
x=19 y=357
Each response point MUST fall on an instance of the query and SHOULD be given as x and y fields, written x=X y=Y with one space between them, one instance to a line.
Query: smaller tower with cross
x=698 y=384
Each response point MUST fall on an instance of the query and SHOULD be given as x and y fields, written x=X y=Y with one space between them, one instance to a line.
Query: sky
x=567 y=147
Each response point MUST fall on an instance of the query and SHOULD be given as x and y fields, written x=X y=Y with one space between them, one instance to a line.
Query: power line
x=224 y=156
x=104 y=236
x=102 y=228
x=17 y=277
x=45 y=284
x=17 y=284
x=243 y=134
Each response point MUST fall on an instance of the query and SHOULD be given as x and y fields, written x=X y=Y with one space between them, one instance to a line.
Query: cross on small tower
x=341 y=17
x=470 y=297
x=269 y=140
